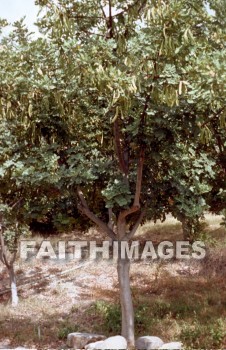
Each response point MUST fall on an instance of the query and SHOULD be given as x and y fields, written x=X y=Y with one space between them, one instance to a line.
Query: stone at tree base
x=22 y=348
x=80 y=340
x=148 y=343
x=172 y=346
x=112 y=343
x=96 y=345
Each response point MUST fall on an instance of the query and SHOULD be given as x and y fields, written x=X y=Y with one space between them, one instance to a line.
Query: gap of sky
x=13 y=10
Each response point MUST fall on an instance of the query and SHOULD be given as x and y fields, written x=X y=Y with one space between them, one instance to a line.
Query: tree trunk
x=123 y=267
x=14 y=296
x=127 y=311
x=190 y=229
x=187 y=229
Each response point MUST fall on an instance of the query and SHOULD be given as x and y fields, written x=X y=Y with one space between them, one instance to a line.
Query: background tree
x=27 y=167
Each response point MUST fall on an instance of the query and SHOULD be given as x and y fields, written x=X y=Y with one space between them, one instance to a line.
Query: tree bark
x=127 y=311
x=187 y=229
x=123 y=269
x=13 y=286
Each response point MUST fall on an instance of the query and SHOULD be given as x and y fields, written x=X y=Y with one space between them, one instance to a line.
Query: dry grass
x=160 y=231
x=176 y=301
x=213 y=220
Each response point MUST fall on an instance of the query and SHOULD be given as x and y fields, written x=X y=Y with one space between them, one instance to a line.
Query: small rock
x=5 y=344
x=172 y=346
x=113 y=343
x=148 y=343
x=80 y=340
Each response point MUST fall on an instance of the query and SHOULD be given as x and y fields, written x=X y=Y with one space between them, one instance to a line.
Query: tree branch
x=3 y=257
x=131 y=6
x=123 y=214
x=91 y=33
x=13 y=258
x=132 y=232
x=140 y=167
x=122 y=164
x=1 y=249
x=14 y=204
x=109 y=22
x=136 y=203
x=84 y=17
x=110 y=220
x=83 y=207
x=102 y=9
x=211 y=118
x=110 y=11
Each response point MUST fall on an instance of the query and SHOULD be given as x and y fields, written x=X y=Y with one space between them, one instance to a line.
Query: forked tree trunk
x=13 y=286
x=127 y=311
x=123 y=266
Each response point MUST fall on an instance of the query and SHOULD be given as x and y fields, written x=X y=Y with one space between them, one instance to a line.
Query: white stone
x=113 y=343
x=172 y=346
x=148 y=343
x=96 y=345
x=80 y=340
x=22 y=348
